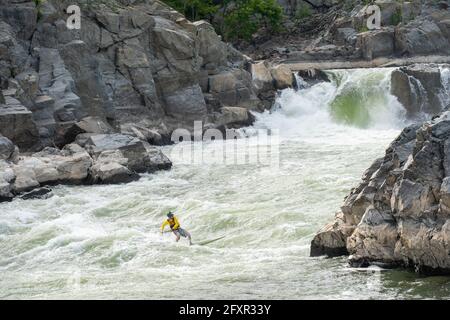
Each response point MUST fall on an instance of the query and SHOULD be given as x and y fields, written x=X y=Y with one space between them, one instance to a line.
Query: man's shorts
x=181 y=232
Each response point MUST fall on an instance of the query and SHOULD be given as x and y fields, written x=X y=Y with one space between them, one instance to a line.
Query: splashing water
x=103 y=241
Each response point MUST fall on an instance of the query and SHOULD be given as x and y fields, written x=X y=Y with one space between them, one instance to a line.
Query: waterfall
x=358 y=98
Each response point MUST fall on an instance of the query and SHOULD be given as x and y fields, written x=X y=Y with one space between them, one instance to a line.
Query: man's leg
x=177 y=234
x=189 y=237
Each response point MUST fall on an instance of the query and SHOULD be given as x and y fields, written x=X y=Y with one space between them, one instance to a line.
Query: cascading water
x=103 y=241
x=445 y=76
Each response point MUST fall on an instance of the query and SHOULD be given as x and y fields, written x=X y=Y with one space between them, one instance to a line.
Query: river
x=104 y=242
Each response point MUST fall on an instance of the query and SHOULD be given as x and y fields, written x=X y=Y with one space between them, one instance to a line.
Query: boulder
x=111 y=167
x=261 y=76
x=419 y=88
x=283 y=77
x=234 y=117
x=39 y=193
x=186 y=103
x=420 y=37
x=7 y=149
x=95 y=125
x=331 y=239
x=211 y=48
x=408 y=92
x=52 y=166
x=375 y=44
x=140 y=155
x=7 y=178
x=17 y=124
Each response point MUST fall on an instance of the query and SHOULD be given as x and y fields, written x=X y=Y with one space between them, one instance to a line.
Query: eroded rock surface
x=399 y=214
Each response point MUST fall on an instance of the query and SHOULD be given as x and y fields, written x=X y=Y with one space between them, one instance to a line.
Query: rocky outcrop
x=332 y=31
x=421 y=89
x=134 y=64
x=398 y=215
x=140 y=156
x=104 y=159
x=269 y=78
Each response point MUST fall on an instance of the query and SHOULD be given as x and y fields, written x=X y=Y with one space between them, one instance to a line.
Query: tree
x=194 y=9
x=240 y=19
x=245 y=17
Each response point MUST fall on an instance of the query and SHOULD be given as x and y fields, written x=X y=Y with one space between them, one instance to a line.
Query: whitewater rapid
x=103 y=241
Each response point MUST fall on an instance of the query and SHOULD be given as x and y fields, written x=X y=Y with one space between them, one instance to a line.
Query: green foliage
x=363 y=29
x=396 y=18
x=246 y=17
x=38 y=4
x=194 y=9
x=303 y=12
x=239 y=19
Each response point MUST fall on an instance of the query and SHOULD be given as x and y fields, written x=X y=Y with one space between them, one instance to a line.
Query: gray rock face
x=17 y=124
x=52 y=166
x=186 y=103
x=140 y=155
x=233 y=117
x=376 y=43
x=107 y=158
x=7 y=148
x=20 y=14
x=399 y=213
x=420 y=89
x=133 y=63
x=420 y=37
x=7 y=177
x=111 y=167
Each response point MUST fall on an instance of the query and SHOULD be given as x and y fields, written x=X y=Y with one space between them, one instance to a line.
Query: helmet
x=170 y=214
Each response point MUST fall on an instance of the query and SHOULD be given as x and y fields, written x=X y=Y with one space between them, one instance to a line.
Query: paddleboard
x=202 y=243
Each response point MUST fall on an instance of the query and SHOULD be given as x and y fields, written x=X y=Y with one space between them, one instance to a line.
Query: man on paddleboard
x=172 y=221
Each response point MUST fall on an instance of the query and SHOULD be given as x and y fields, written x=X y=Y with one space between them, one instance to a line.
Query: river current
x=104 y=241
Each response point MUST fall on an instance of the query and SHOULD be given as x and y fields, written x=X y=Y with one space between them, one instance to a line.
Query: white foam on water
x=108 y=237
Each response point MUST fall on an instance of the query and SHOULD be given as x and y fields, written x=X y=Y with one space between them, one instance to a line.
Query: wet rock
x=261 y=76
x=140 y=155
x=399 y=213
x=7 y=178
x=233 y=117
x=283 y=77
x=331 y=239
x=312 y=76
x=419 y=88
x=7 y=149
x=40 y=193
x=110 y=167
x=52 y=166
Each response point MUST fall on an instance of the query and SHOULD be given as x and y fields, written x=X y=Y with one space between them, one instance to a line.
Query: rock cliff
x=399 y=214
x=138 y=65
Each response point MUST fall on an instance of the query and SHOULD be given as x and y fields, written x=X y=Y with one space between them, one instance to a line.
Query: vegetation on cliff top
x=233 y=19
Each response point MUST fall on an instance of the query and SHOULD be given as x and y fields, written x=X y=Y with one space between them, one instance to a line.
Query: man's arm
x=177 y=224
x=165 y=223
